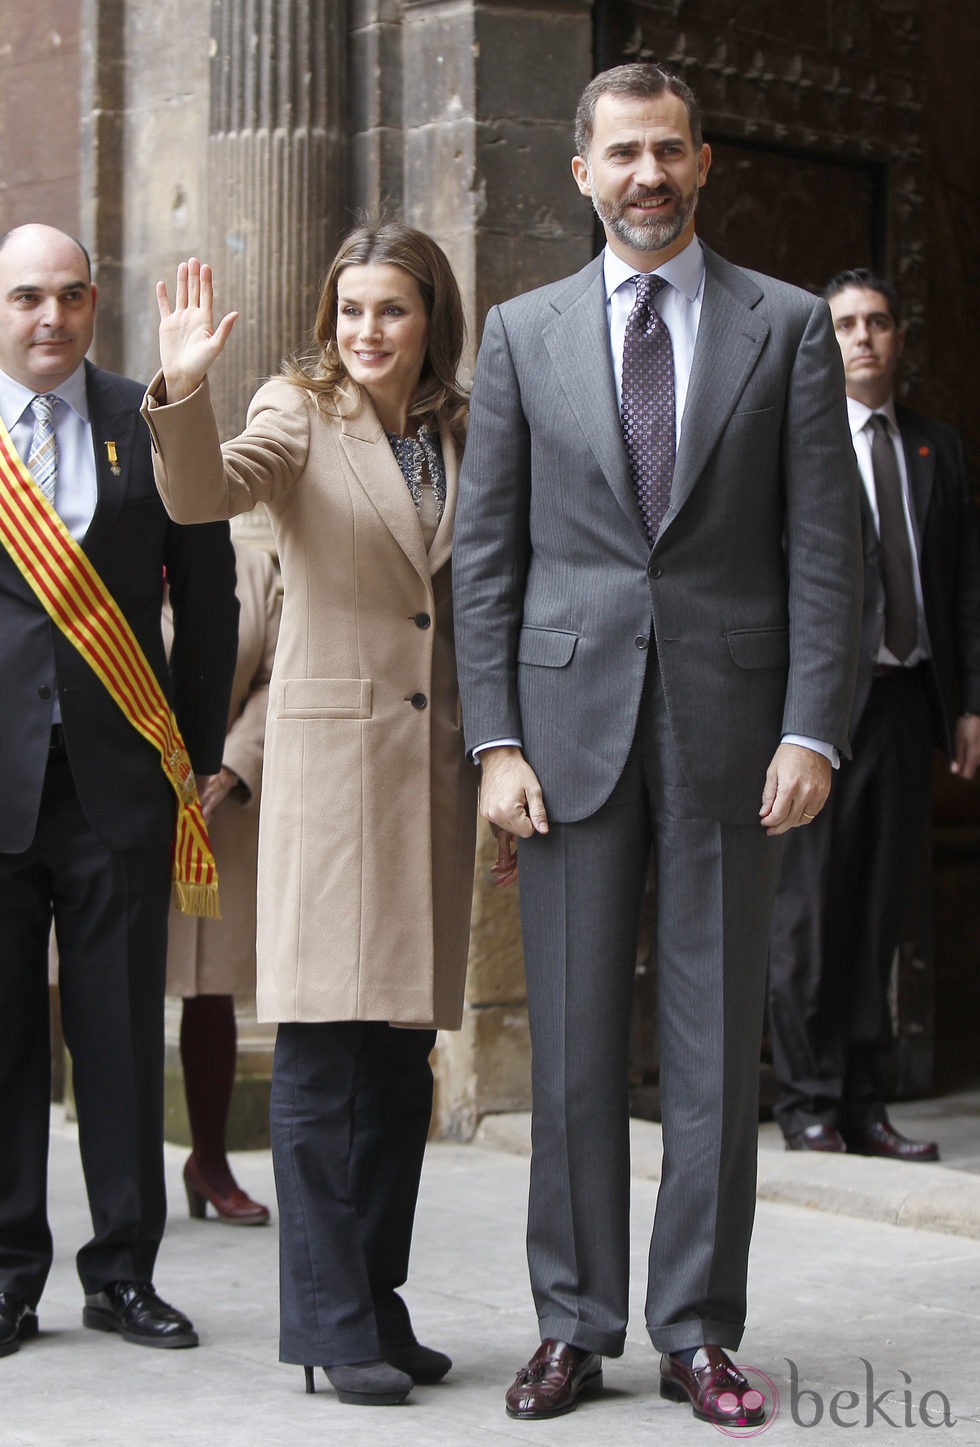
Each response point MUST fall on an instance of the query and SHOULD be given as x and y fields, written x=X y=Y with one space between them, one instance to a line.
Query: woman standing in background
x=210 y=962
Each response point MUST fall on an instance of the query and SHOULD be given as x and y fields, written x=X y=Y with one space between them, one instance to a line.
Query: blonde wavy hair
x=439 y=397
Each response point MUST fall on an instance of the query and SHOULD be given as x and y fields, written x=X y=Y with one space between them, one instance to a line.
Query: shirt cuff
x=496 y=744
x=817 y=745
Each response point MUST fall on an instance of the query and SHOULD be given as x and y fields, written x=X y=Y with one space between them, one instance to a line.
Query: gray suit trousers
x=581 y=894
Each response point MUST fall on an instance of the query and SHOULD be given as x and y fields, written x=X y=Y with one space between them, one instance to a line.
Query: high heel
x=234 y=1209
x=364 y=1384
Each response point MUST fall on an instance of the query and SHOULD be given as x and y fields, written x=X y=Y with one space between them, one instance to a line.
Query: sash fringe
x=199 y=899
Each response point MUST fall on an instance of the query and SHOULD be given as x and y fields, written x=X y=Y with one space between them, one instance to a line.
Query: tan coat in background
x=217 y=957
x=368 y=817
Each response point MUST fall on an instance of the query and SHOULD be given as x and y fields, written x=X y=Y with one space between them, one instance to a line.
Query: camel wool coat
x=217 y=956
x=368 y=818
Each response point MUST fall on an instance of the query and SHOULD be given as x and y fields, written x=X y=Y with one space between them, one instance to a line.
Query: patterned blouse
x=413 y=455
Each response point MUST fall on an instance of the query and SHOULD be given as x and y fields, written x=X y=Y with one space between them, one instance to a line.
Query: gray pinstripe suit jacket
x=751 y=594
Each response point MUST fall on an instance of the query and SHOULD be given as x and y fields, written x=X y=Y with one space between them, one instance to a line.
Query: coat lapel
x=376 y=470
x=578 y=345
x=114 y=423
x=730 y=338
x=920 y=462
x=443 y=541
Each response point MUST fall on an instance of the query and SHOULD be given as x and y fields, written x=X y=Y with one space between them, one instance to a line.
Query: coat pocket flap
x=759 y=647
x=324 y=698
x=547 y=647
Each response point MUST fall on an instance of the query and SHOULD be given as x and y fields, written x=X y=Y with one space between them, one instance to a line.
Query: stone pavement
x=865 y=1310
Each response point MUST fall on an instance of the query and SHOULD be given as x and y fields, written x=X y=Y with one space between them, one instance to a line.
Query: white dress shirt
x=679 y=304
x=76 y=492
x=859 y=416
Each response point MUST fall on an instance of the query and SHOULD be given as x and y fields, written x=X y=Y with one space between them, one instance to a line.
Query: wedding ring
x=808 y=816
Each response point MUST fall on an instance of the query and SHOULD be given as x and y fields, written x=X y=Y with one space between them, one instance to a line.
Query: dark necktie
x=649 y=428
x=901 y=611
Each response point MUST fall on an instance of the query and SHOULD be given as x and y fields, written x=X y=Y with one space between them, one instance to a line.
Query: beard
x=648 y=235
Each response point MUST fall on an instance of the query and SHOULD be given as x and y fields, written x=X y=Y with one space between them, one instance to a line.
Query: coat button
x=418 y=700
x=654 y=571
x=641 y=642
x=44 y=692
x=422 y=620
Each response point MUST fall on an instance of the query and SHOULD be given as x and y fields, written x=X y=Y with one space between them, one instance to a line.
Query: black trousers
x=110 y=915
x=839 y=913
x=350 y=1110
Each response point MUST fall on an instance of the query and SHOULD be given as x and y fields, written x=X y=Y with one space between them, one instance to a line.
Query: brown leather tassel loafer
x=715 y=1388
x=553 y=1380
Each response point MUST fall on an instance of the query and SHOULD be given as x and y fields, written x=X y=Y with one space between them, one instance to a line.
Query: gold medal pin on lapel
x=110 y=452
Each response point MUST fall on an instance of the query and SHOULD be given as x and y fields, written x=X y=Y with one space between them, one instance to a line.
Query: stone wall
x=39 y=80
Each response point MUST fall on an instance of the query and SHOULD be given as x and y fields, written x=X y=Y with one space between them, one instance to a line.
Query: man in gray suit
x=657 y=573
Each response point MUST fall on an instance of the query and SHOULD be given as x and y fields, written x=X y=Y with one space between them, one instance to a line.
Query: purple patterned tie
x=649 y=427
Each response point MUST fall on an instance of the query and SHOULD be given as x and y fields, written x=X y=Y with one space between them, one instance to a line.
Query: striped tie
x=43 y=459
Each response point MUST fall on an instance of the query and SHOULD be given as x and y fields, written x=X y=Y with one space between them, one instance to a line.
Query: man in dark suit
x=845 y=882
x=656 y=569
x=86 y=812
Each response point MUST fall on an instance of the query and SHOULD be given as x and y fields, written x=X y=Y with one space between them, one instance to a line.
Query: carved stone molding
x=276 y=157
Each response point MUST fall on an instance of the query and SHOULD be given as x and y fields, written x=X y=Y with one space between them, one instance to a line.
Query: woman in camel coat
x=368 y=812
x=211 y=961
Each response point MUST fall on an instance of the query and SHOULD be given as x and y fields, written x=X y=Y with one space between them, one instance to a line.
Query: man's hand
x=967 y=746
x=189 y=340
x=510 y=795
x=797 y=785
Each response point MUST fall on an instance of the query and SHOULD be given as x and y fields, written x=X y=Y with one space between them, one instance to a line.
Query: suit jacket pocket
x=546 y=647
x=314 y=698
x=759 y=647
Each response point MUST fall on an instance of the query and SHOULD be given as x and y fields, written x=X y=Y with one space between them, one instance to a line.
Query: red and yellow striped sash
x=78 y=602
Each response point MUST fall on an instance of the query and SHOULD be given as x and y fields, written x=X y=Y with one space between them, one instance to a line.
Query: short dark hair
x=867 y=280
x=88 y=260
x=636 y=79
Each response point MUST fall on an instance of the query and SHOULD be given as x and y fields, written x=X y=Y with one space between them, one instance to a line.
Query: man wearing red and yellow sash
x=97 y=742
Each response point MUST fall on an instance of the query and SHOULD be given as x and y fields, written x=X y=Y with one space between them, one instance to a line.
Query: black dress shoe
x=816 y=1138
x=717 y=1391
x=553 y=1380
x=133 y=1309
x=880 y=1139
x=423 y=1364
x=17 y=1322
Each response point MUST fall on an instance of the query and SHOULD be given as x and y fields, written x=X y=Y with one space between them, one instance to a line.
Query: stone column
x=277 y=171
x=488 y=99
x=489 y=95
x=102 y=117
x=375 y=149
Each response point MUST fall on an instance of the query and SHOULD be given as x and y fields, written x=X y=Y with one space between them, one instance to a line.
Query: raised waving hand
x=189 y=340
